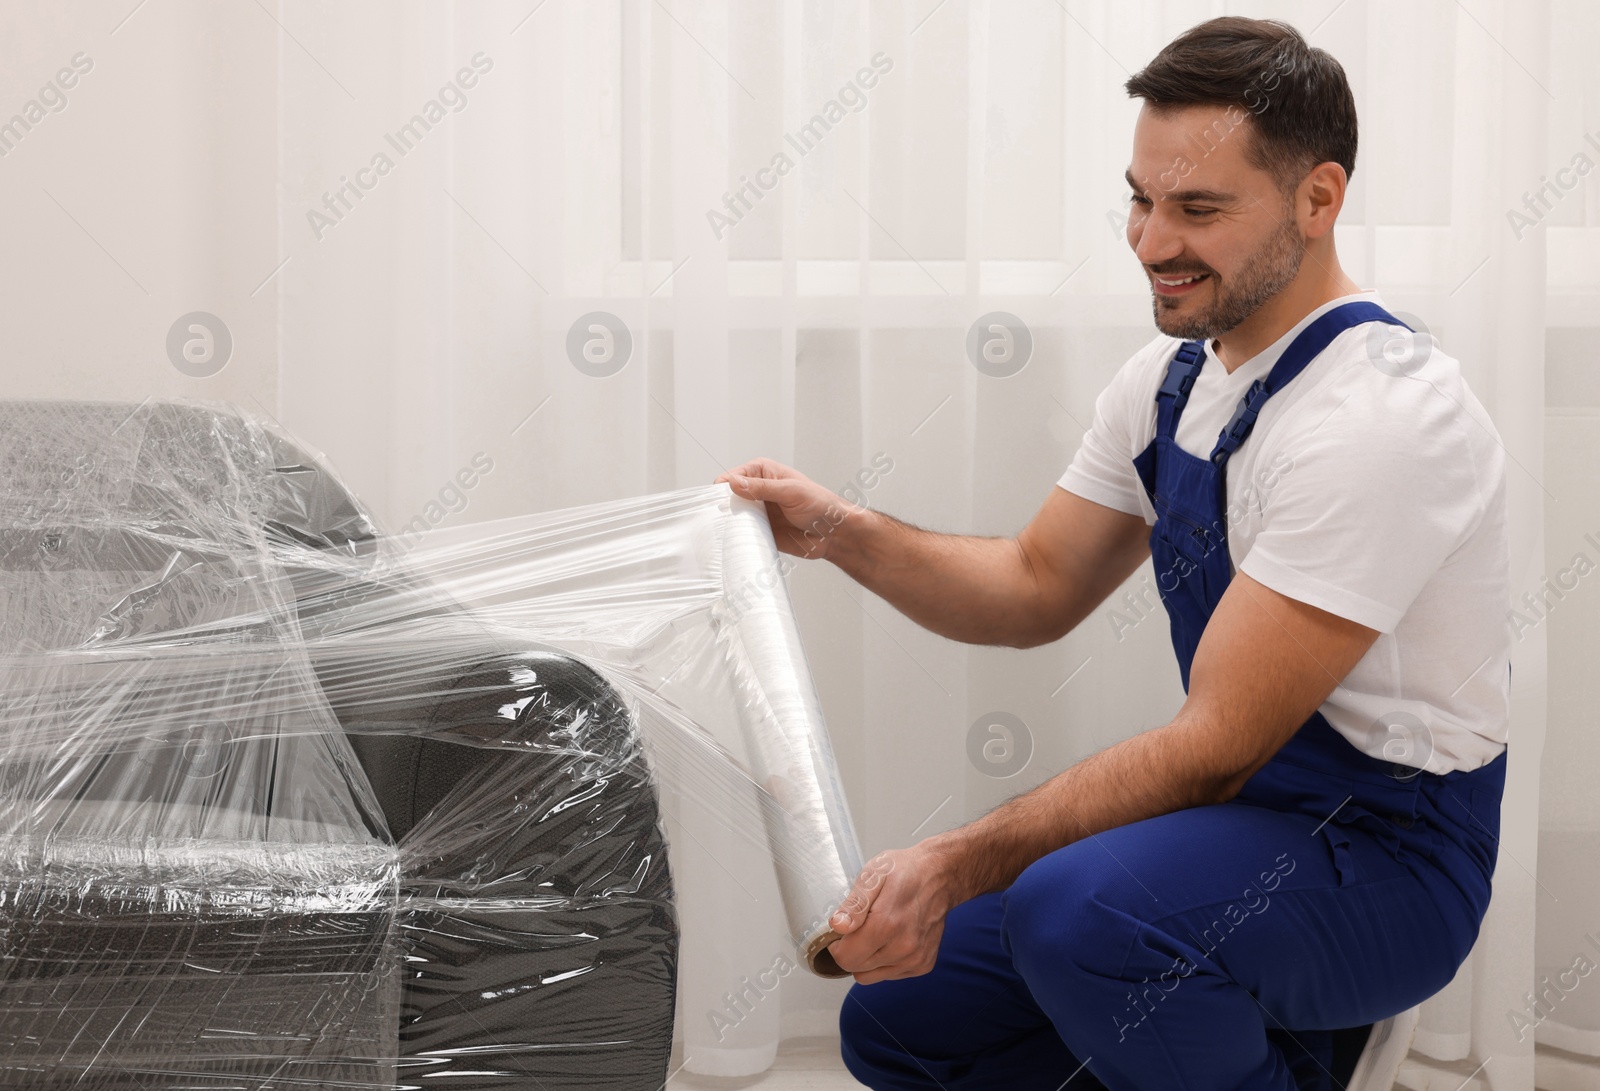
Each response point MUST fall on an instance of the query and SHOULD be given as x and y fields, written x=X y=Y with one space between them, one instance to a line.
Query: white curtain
x=766 y=285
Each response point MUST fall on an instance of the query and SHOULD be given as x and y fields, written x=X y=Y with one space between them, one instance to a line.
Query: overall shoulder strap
x=1182 y=370
x=1301 y=351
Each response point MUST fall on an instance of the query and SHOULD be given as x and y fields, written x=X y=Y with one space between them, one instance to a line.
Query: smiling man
x=1229 y=900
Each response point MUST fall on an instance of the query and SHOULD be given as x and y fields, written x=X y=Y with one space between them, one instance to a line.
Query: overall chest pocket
x=1184 y=535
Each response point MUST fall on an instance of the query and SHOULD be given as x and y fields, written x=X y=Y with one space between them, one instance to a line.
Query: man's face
x=1200 y=209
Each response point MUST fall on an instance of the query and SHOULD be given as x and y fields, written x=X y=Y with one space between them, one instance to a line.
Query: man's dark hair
x=1295 y=94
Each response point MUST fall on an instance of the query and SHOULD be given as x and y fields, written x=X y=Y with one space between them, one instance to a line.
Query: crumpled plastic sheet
x=286 y=802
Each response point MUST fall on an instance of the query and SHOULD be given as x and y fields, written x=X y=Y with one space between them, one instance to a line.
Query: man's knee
x=857 y=1032
x=869 y=1050
x=1065 y=914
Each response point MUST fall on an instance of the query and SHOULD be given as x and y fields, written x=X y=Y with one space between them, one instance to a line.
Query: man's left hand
x=893 y=917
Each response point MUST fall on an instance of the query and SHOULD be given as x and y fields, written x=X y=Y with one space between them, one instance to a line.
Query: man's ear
x=1319 y=197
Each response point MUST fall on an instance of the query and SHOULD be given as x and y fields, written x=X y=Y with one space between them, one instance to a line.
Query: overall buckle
x=1182 y=370
x=1244 y=419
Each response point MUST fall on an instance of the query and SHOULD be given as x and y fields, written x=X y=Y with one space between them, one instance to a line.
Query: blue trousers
x=1211 y=948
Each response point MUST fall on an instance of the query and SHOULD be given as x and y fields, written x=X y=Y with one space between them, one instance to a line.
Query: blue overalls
x=1216 y=947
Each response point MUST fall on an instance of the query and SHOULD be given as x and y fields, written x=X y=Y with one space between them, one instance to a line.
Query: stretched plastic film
x=286 y=802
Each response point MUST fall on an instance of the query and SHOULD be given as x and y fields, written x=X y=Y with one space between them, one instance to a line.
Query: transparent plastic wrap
x=287 y=803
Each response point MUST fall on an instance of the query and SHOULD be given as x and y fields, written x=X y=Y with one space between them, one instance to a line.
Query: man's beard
x=1263 y=275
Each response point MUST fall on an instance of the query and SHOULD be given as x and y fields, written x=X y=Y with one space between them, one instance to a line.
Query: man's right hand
x=805 y=517
x=1020 y=592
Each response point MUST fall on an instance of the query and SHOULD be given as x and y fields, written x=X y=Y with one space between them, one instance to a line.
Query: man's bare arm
x=1264 y=665
x=1021 y=592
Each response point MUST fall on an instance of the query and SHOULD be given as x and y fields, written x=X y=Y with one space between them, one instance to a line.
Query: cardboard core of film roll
x=820 y=959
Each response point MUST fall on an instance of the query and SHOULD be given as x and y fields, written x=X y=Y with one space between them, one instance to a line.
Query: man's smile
x=1177 y=285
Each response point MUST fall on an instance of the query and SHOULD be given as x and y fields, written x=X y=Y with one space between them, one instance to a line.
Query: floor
x=803 y=1064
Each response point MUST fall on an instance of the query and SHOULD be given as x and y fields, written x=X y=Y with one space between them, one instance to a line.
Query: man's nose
x=1156 y=242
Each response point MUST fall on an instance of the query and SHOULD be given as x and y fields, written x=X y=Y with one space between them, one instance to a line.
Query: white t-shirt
x=1373 y=491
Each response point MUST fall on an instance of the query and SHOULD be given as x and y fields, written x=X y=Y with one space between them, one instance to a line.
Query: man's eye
x=1136 y=199
x=1198 y=212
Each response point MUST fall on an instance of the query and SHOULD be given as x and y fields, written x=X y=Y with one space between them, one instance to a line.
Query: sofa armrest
x=537 y=921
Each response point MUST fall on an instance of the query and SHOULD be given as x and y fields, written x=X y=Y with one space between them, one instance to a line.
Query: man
x=1308 y=844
